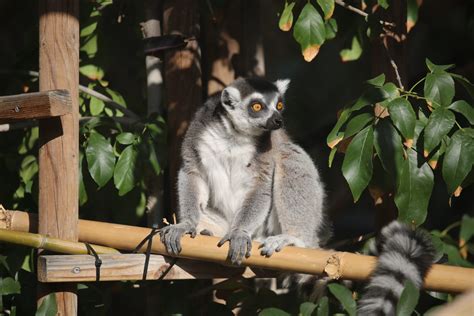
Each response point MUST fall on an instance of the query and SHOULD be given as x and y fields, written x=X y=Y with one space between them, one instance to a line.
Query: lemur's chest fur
x=226 y=162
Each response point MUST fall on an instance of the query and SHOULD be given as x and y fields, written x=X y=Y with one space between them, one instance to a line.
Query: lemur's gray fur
x=242 y=178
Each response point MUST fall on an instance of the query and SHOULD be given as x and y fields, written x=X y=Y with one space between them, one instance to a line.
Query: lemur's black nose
x=278 y=122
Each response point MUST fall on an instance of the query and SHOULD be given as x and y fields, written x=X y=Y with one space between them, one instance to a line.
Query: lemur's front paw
x=276 y=243
x=171 y=236
x=240 y=245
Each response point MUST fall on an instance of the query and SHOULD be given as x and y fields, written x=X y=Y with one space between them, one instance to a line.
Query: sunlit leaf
x=357 y=165
x=377 y=81
x=29 y=168
x=48 y=306
x=344 y=296
x=437 y=68
x=464 y=108
x=126 y=138
x=92 y=72
x=353 y=53
x=328 y=8
x=96 y=106
x=82 y=188
x=458 y=160
x=383 y=3
x=439 y=124
x=100 y=159
x=439 y=88
x=335 y=136
x=415 y=185
x=124 y=174
x=331 y=28
x=323 y=307
x=9 y=286
x=403 y=117
x=309 y=31
x=412 y=14
x=286 y=18
x=408 y=300
x=357 y=123
x=388 y=145
x=90 y=46
x=307 y=308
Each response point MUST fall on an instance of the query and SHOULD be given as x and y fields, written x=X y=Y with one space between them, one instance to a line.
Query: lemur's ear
x=230 y=97
x=282 y=85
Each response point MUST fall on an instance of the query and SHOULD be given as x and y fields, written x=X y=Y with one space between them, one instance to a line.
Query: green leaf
x=48 y=306
x=357 y=166
x=307 y=308
x=439 y=124
x=391 y=93
x=389 y=148
x=126 y=138
x=437 y=68
x=29 y=168
x=153 y=158
x=272 y=311
x=383 y=3
x=372 y=95
x=92 y=72
x=82 y=188
x=124 y=174
x=96 y=106
x=458 y=160
x=353 y=53
x=439 y=88
x=465 y=83
x=117 y=97
x=323 y=307
x=331 y=156
x=335 y=136
x=309 y=32
x=330 y=28
x=463 y=108
x=412 y=14
x=89 y=29
x=408 y=300
x=403 y=117
x=414 y=190
x=100 y=159
x=90 y=46
x=286 y=18
x=357 y=123
x=328 y=8
x=9 y=286
x=377 y=81
x=467 y=228
x=344 y=296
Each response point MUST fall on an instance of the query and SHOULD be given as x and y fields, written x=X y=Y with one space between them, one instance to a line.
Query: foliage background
x=111 y=41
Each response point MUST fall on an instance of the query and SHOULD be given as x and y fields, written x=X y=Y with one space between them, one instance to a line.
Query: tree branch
x=360 y=12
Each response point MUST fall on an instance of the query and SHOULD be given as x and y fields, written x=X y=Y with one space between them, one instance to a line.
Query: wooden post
x=182 y=80
x=59 y=137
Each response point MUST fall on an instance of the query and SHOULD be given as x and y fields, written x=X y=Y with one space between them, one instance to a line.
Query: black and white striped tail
x=406 y=255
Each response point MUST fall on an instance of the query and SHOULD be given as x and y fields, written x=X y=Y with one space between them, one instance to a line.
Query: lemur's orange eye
x=280 y=106
x=256 y=107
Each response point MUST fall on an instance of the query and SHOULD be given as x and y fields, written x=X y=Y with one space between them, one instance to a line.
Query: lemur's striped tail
x=406 y=255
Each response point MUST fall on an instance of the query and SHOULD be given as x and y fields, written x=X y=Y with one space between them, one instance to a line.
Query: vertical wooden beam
x=59 y=137
x=182 y=80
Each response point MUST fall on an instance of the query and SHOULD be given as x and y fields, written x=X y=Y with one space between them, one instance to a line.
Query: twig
x=86 y=90
x=361 y=13
x=394 y=65
x=14 y=126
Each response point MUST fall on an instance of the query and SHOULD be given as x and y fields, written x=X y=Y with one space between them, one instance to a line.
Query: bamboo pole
x=337 y=265
x=51 y=244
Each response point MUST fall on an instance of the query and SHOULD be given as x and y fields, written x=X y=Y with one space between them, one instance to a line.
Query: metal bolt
x=76 y=270
x=17 y=108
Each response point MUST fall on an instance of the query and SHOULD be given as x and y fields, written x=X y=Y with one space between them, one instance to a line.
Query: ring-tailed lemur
x=406 y=254
x=242 y=178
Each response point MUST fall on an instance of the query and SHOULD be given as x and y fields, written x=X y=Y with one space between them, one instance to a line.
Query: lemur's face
x=255 y=105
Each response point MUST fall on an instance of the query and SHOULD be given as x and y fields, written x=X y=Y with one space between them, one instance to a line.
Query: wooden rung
x=81 y=268
x=35 y=105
